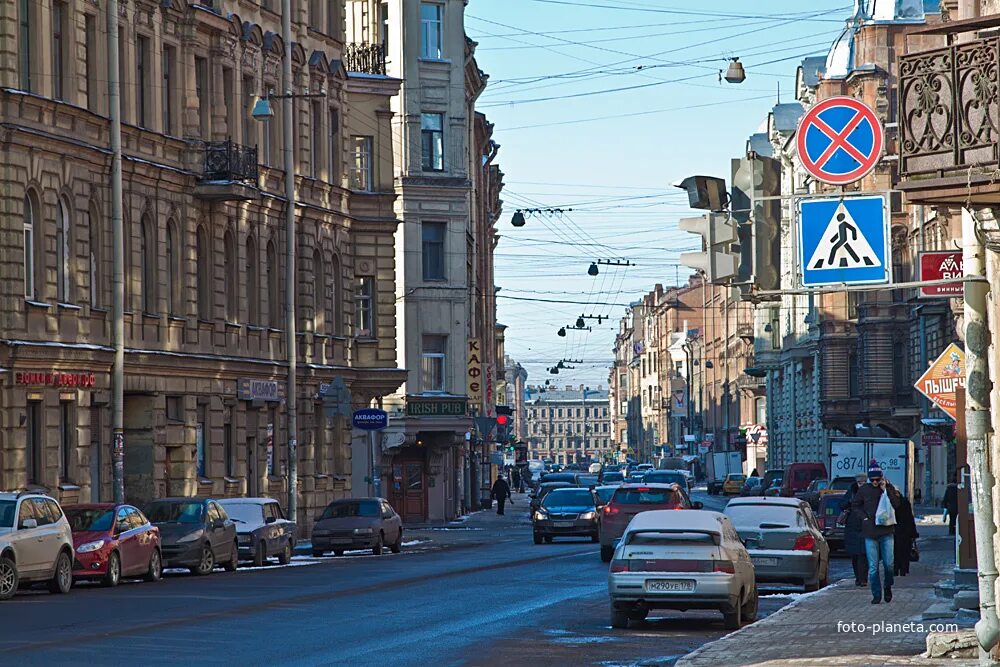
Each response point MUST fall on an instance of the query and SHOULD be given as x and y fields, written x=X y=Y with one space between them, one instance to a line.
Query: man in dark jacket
x=854 y=540
x=501 y=492
x=878 y=539
x=950 y=503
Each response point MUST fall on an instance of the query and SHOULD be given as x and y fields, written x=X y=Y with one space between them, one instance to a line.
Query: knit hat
x=874 y=470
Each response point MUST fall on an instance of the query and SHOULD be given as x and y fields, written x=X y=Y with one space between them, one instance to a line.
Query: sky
x=600 y=106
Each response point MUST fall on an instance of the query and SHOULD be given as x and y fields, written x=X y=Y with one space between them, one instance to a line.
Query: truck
x=851 y=456
x=721 y=464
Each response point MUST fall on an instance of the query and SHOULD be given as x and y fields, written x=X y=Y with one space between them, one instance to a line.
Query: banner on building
x=941 y=265
x=474 y=372
x=944 y=376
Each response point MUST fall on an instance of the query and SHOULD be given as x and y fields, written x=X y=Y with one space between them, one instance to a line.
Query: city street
x=481 y=595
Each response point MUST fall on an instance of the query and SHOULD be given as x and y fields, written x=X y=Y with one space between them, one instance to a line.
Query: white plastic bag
x=885 y=515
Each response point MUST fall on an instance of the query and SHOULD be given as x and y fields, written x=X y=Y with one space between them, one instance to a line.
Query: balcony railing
x=228 y=161
x=365 y=58
x=949 y=112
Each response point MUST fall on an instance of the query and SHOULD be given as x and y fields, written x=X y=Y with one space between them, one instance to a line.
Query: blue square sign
x=844 y=241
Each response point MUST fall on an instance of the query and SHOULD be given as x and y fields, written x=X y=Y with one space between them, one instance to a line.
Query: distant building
x=571 y=425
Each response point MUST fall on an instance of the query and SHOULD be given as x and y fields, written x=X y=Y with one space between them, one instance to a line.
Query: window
x=272 y=136
x=253 y=285
x=249 y=124
x=273 y=296
x=432 y=362
x=433 y=235
x=228 y=444
x=59 y=39
x=169 y=58
x=203 y=253
x=201 y=445
x=90 y=58
x=62 y=251
x=430 y=30
x=94 y=243
x=231 y=272
x=336 y=285
x=175 y=409
x=201 y=89
x=316 y=14
x=334 y=149
x=319 y=292
x=333 y=21
x=24 y=35
x=173 y=270
x=147 y=254
x=33 y=434
x=383 y=21
x=364 y=307
x=432 y=141
x=315 y=137
x=142 y=80
x=229 y=95
x=67 y=431
x=29 y=248
x=361 y=165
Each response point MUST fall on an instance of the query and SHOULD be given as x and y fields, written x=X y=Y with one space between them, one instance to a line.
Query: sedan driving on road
x=784 y=540
x=681 y=560
x=631 y=499
x=543 y=490
x=195 y=533
x=113 y=541
x=359 y=523
x=261 y=529
x=566 y=513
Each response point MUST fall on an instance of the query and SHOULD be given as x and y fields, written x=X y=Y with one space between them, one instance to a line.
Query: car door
x=129 y=547
x=224 y=537
x=391 y=523
x=28 y=549
x=273 y=529
x=48 y=534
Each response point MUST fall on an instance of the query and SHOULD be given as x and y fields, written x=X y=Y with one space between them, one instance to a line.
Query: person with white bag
x=877 y=502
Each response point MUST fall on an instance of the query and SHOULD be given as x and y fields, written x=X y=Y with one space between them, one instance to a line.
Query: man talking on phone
x=878 y=534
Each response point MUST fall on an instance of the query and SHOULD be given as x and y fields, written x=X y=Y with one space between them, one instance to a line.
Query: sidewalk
x=816 y=629
x=476 y=528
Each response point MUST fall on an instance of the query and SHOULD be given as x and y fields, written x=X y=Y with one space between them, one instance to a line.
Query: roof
x=813 y=68
x=574 y=396
x=768 y=500
x=245 y=501
x=787 y=115
x=760 y=144
x=695 y=520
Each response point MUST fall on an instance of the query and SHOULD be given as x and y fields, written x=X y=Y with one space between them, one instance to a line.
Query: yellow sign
x=944 y=376
x=474 y=372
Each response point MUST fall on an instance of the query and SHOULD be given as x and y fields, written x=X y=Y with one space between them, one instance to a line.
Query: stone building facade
x=570 y=425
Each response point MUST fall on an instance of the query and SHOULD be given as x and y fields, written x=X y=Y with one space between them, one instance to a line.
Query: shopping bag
x=914 y=553
x=885 y=515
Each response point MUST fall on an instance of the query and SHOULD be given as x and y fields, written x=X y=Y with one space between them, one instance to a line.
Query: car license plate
x=341 y=540
x=767 y=562
x=563 y=524
x=670 y=585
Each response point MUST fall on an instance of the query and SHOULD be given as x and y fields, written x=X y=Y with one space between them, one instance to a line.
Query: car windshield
x=736 y=478
x=343 y=510
x=561 y=497
x=842 y=483
x=244 y=512
x=665 y=478
x=183 y=512
x=613 y=477
x=587 y=480
x=667 y=497
x=7 y=513
x=752 y=516
x=605 y=494
x=97 y=519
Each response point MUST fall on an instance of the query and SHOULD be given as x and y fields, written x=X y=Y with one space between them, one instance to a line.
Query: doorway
x=409 y=489
x=253 y=455
x=139 y=448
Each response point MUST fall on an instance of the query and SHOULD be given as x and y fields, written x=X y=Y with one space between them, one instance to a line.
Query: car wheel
x=207 y=562
x=619 y=618
x=338 y=552
x=750 y=607
x=377 y=547
x=8 y=578
x=260 y=554
x=285 y=557
x=155 y=571
x=234 y=559
x=398 y=545
x=63 y=579
x=733 y=620
x=114 y=571
x=607 y=552
x=537 y=538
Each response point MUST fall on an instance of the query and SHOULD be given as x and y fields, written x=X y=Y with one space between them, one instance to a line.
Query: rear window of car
x=604 y=494
x=568 y=497
x=342 y=510
x=90 y=519
x=667 y=497
x=613 y=477
x=736 y=478
x=753 y=516
x=663 y=539
x=665 y=478
x=587 y=480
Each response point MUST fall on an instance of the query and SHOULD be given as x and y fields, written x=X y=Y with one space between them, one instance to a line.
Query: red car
x=114 y=541
x=631 y=499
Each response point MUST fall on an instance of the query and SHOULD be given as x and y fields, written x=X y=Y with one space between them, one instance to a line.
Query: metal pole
x=291 y=281
x=117 y=260
x=977 y=424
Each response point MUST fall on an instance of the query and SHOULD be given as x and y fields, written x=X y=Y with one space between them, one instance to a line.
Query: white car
x=681 y=560
x=36 y=543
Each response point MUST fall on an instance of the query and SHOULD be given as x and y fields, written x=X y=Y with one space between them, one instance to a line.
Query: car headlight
x=190 y=537
x=362 y=531
x=588 y=516
x=541 y=516
x=90 y=546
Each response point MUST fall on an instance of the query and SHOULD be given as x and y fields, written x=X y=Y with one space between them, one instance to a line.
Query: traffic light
x=705 y=192
x=503 y=427
x=756 y=210
x=718 y=234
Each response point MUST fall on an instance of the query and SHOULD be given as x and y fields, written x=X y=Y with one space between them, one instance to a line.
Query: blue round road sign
x=839 y=140
x=370 y=419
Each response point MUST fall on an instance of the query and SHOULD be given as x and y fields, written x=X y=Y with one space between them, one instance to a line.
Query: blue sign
x=370 y=419
x=839 y=140
x=844 y=241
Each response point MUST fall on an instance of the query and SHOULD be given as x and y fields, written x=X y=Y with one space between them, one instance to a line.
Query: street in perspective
x=477 y=332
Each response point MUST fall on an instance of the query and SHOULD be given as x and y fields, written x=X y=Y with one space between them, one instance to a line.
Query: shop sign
x=370 y=419
x=474 y=371
x=944 y=376
x=32 y=378
x=490 y=407
x=941 y=265
x=260 y=390
x=932 y=439
x=435 y=407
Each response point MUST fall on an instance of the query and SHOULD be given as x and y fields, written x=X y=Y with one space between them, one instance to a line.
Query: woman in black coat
x=854 y=541
x=905 y=536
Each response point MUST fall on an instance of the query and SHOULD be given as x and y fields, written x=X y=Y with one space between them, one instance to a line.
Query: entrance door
x=414 y=491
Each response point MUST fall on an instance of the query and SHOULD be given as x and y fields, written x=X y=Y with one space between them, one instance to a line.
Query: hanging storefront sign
x=32 y=378
x=490 y=393
x=474 y=371
x=944 y=376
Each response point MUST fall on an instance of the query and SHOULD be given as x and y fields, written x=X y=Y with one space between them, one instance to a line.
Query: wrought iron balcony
x=230 y=172
x=365 y=58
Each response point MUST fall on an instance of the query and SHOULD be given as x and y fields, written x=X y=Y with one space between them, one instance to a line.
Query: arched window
x=273 y=298
x=30 y=270
x=94 y=248
x=147 y=267
x=336 y=297
x=205 y=287
x=62 y=252
x=174 y=290
x=253 y=284
x=319 y=292
x=232 y=277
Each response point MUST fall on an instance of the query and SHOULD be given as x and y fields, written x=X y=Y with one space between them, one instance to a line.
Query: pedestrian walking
x=516 y=480
x=877 y=525
x=950 y=503
x=501 y=492
x=905 y=537
x=854 y=540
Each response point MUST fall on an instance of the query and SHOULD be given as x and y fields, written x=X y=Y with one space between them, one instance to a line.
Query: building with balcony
x=204 y=209
x=570 y=425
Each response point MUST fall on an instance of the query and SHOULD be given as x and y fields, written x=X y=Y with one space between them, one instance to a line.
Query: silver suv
x=36 y=543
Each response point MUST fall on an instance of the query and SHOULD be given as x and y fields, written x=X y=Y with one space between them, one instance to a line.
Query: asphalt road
x=492 y=599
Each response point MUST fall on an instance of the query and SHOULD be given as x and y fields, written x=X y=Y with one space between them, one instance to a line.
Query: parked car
x=631 y=499
x=566 y=513
x=261 y=529
x=826 y=517
x=751 y=487
x=358 y=523
x=612 y=477
x=113 y=541
x=733 y=484
x=36 y=544
x=604 y=494
x=543 y=490
x=681 y=560
x=195 y=533
x=798 y=476
x=784 y=540
x=769 y=478
x=668 y=477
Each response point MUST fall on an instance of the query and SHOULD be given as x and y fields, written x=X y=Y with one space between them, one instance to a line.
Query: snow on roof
x=700 y=520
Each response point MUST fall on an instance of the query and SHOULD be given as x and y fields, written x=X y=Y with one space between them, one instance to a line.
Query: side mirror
x=29 y=523
x=218 y=523
x=697 y=505
x=270 y=519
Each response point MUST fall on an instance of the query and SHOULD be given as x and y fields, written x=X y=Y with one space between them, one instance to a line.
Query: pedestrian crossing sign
x=844 y=241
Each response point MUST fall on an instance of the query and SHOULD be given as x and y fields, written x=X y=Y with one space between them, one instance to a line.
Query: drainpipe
x=977 y=424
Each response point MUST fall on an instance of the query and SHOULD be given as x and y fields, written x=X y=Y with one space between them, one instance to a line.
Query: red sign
x=82 y=380
x=944 y=376
x=932 y=439
x=941 y=265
